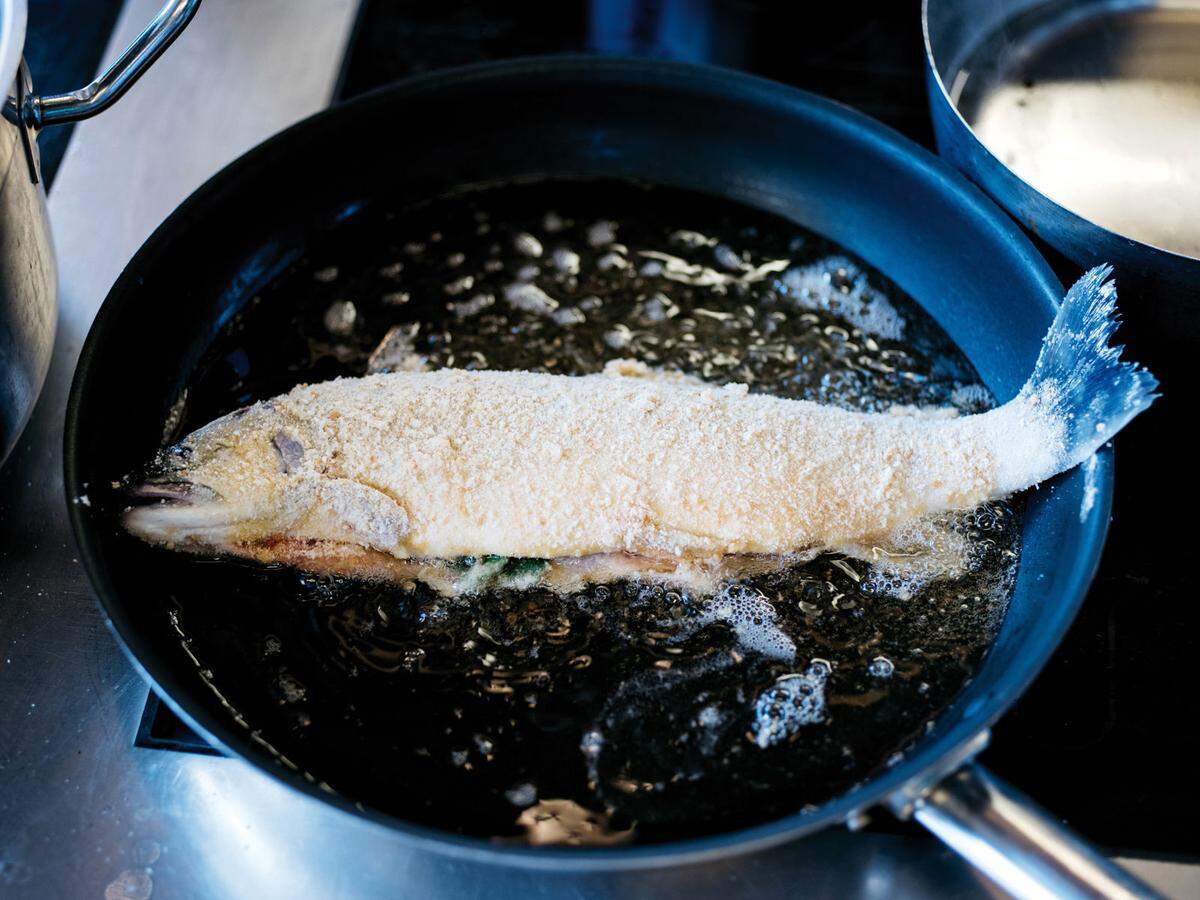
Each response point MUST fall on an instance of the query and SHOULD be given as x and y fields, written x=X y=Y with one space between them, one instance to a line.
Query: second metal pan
x=1088 y=43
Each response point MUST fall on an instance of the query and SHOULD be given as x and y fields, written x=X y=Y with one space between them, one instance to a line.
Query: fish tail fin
x=1079 y=371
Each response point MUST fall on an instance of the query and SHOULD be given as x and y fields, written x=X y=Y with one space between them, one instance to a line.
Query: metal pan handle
x=1014 y=842
x=57 y=109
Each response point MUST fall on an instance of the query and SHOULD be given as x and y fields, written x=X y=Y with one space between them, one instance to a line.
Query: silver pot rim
x=12 y=37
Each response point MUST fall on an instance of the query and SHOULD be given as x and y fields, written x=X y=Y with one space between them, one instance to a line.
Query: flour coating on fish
x=618 y=472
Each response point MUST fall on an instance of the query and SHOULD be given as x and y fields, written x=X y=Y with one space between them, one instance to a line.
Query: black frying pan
x=728 y=135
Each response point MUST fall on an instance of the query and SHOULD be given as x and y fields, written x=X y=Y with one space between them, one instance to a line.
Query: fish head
x=240 y=479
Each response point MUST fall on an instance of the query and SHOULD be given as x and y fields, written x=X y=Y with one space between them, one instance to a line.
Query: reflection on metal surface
x=1021 y=847
x=27 y=276
x=1097 y=105
x=56 y=109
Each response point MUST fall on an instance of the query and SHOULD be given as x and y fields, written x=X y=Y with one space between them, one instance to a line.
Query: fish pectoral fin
x=363 y=514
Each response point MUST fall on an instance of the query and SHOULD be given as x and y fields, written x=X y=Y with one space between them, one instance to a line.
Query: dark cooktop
x=1109 y=736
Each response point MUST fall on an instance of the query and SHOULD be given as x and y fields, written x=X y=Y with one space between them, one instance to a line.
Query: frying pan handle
x=1015 y=842
x=57 y=109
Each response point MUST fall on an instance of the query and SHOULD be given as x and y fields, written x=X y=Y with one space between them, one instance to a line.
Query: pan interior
x=626 y=712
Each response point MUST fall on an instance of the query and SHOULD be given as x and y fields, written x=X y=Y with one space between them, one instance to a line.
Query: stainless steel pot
x=28 y=303
x=1092 y=43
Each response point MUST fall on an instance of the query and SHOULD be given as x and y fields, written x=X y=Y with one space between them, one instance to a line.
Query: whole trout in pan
x=614 y=474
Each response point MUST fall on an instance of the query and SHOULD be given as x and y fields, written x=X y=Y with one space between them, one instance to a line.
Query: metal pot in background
x=28 y=283
x=1127 y=59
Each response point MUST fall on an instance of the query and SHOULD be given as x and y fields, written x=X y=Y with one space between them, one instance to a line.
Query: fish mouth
x=171 y=512
x=185 y=492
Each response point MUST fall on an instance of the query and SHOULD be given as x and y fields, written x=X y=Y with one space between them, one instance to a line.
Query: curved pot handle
x=1015 y=842
x=57 y=109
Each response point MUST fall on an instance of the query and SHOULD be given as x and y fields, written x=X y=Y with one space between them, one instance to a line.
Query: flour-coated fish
x=376 y=476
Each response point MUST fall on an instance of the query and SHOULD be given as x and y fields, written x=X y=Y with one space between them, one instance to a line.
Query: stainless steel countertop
x=85 y=813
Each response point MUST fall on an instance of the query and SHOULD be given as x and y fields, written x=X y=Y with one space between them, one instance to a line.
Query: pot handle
x=58 y=109
x=1016 y=843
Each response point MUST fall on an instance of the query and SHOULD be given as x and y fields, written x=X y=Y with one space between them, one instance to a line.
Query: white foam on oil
x=790 y=704
x=529 y=297
x=917 y=554
x=751 y=616
x=675 y=268
x=850 y=296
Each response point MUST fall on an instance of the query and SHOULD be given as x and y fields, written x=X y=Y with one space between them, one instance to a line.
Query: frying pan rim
x=730 y=87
